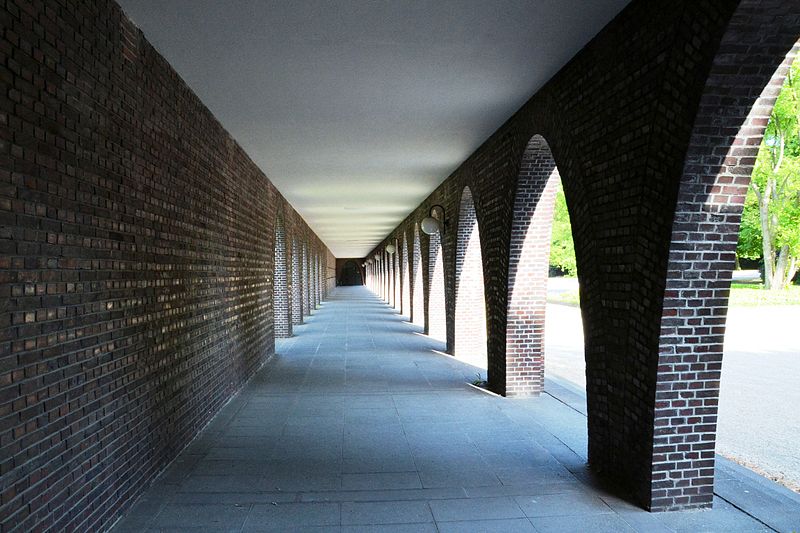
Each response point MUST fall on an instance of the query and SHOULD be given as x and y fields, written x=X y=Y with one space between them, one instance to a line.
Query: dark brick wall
x=348 y=274
x=618 y=119
x=137 y=264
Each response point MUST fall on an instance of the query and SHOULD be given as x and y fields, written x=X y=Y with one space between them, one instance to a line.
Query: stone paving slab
x=358 y=425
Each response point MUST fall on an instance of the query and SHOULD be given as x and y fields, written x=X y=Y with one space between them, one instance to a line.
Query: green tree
x=562 y=249
x=771 y=218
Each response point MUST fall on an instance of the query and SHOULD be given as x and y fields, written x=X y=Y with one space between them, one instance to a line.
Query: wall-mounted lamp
x=434 y=222
x=390 y=249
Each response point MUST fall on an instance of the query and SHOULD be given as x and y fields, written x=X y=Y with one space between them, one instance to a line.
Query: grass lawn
x=742 y=295
x=752 y=294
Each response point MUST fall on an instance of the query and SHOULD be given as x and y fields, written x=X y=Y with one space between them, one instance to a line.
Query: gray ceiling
x=358 y=109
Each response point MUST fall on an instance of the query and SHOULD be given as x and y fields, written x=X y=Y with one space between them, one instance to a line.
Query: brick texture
x=138 y=245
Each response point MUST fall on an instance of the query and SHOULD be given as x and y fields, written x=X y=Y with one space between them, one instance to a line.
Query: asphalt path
x=759 y=417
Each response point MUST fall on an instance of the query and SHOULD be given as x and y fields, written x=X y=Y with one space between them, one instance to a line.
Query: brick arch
x=418 y=292
x=296 y=283
x=405 y=279
x=528 y=268
x=437 y=303
x=748 y=71
x=470 y=302
x=282 y=308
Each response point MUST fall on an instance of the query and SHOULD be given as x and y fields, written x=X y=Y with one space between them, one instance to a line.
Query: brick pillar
x=437 y=318
x=313 y=279
x=306 y=284
x=528 y=269
x=297 y=284
x=405 y=281
x=417 y=292
x=281 y=307
x=470 y=312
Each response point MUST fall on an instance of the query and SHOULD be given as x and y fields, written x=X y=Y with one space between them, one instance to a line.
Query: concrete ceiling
x=358 y=109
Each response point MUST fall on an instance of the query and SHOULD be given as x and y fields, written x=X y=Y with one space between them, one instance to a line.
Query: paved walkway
x=358 y=425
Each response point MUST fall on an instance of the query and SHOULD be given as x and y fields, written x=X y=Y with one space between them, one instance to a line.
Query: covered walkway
x=359 y=425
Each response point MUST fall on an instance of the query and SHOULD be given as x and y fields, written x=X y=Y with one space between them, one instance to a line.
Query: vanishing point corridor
x=357 y=424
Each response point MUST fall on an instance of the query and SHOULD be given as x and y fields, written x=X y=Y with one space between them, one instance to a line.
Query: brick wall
x=136 y=270
x=619 y=119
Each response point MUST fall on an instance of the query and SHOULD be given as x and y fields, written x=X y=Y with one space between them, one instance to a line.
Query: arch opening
x=470 y=343
x=437 y=312
x=529 y=266
x=417 y=295
x=405 y=280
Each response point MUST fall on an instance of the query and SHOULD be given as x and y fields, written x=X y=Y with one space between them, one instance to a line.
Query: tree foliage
x=770 y=227
x=562 y=249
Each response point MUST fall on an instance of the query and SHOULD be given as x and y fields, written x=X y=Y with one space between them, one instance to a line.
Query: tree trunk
x=766 y=240
x=779 y=281
x=793 y=266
